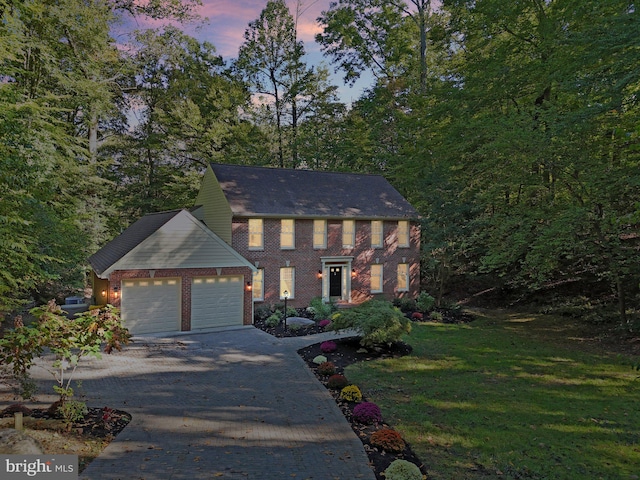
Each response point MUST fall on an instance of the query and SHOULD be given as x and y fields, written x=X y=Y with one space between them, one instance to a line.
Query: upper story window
x=256 y=234
x=403 y=277
x=403 y=233
x=287 y=282
x=348 y=233
x=257 y=284
x=319 y=234
x=287 y=233
x=376 y=278
x=377 y=238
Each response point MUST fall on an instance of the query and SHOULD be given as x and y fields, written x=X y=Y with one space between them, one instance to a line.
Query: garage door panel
x=151 y=305
x=217 y=302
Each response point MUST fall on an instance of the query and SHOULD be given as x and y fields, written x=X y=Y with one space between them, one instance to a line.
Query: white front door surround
x=335 y=263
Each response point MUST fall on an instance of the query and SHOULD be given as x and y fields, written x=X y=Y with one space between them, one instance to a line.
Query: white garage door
x=216 y=302
x=151 y=305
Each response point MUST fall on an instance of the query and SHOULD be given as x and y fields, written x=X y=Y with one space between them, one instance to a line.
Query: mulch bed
x=98 y=422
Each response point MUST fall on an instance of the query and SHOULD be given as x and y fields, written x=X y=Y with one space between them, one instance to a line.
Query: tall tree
x=271 y=61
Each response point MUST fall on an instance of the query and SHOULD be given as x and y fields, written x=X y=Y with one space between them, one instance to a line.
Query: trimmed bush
x=273 y=320
x=351 y=393
x=417 y=316
x=367 y=413
x=319 y=359
x=320 y=309
x=389 y=440
x=425 y=302
x=328 y=346
x=324 y=323
x=337 y=382
x=378 y=322
x=326 y=368
x=402 y=470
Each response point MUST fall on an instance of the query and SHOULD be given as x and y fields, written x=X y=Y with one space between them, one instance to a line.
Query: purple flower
x=367 y=412
x=324 y=323
x=328 y=346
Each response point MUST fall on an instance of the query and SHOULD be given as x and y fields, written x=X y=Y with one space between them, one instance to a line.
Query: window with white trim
x=348 y=233
x=403 y=233
x=257 y=284
x=377 y=238
x=287 y=281
x=287 y=233
x=319 y=234
x=256 y=234
x=376 y=278
x=403 y=277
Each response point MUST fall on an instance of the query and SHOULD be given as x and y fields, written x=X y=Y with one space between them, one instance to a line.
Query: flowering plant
x=388 y=440
x=324 y=323
x=328 y=346
x=351 y=393
x=319 y=359
x=367 y=413
x=337 y=382
x=417 y=316
x=326 y=368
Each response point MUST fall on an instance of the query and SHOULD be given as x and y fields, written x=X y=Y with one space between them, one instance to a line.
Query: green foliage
x=320 y=309
x=425 y=302
x=319 y=359
x=262 y=312
x=351 y=393
x=405 y=304
x=377 y=321
x=72 y=411
x=68 y=340
x=402 y=470
x=273 y=320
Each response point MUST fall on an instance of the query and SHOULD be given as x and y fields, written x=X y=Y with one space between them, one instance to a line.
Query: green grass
x=510 y=397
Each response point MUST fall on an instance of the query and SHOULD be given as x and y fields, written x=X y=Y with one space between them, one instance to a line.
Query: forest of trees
x=512 y=126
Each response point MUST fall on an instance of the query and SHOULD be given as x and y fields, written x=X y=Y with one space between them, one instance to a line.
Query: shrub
x=319 y=359
x=387 y=439
x=326 y=368
x=436 y=316
x=328 y=346
x=367 y=413
x=294 y=327
x=320 y=309
x=425 y=302
x=405 y=304
x=402 y=470
x=351 y=393
x=377 y=321
x=262 y=312
x=324 y=323
x=417 y=316
x=337 y=382
x=273 y=320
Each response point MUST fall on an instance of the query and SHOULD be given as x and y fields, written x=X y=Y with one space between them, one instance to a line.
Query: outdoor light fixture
x=353 y=273
x=115 y=291
x=249 y=287
x=104 y=293
x=319 y=273
x=285 y=294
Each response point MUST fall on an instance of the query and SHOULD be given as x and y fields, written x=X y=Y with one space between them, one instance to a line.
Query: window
x=403 y=233
x=257 y=284
x=376 y=234
x=376 y=278
x=348 y=233
x=403 y=277
x=319 y=234
x=256 y=236
x=287 y=233
x=287 y=281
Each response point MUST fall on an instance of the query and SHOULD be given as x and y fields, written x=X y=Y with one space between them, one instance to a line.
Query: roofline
x=322 y=217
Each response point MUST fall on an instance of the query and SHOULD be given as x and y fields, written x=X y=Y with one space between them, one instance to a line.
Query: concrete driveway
x=236 y=404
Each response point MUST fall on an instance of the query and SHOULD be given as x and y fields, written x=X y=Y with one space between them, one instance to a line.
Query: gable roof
x=133 y=236
x=173 y=239
x=264 y=191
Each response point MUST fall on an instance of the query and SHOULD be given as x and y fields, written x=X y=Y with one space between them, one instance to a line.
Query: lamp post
x=285 y=294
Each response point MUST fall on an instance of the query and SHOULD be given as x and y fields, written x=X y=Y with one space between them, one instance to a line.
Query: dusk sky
x=228 y=20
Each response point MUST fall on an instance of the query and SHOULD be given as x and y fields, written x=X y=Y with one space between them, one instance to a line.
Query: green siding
x=216 y=210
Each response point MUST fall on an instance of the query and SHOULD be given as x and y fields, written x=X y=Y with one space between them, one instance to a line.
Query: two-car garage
x=153 y=305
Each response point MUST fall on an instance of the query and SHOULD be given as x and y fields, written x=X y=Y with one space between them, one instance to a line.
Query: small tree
x=69 y=340
x=377 y=321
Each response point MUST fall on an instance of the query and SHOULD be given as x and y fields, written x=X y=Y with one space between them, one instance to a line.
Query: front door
x=335 y=281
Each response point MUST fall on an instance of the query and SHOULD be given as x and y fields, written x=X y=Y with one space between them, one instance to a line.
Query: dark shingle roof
x=309 y=193
x=128 y=240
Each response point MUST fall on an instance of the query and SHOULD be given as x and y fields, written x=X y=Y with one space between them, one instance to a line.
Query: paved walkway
x=235 y=404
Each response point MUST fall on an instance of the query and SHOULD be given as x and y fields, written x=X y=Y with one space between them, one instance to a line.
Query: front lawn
x=510 y=397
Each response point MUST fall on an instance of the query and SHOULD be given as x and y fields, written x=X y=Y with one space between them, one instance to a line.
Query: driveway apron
x=235 y=404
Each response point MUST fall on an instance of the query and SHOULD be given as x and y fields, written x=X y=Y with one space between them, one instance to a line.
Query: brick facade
x=308 y=261
x=186 y=276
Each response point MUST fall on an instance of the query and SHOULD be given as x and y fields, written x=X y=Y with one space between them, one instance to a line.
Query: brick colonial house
x=256 y=235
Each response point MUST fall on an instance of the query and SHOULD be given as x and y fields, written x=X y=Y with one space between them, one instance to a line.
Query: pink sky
x=228 y=20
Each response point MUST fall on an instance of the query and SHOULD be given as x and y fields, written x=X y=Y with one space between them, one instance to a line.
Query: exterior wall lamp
x=249 y=287
x=115 y=291
x=319 y=274
x=353 y=273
